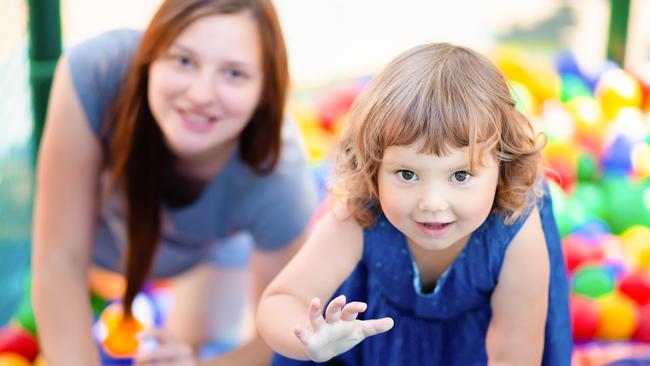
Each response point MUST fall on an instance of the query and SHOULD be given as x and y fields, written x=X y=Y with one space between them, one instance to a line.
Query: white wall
x=335 y=39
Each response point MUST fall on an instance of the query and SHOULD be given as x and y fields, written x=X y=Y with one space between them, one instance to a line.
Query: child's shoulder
x=338 y=232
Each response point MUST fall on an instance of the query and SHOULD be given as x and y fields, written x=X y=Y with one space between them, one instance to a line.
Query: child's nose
x=433 y=202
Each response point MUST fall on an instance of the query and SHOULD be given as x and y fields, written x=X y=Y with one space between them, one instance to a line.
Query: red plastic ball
x=636 y=285
x=584 y=317
x=642 y=332
x=14 y=339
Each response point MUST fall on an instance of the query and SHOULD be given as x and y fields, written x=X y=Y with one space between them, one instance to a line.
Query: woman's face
x=205 y=87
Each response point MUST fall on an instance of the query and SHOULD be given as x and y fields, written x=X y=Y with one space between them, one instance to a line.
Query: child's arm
x=520 y=301
x=289 y=316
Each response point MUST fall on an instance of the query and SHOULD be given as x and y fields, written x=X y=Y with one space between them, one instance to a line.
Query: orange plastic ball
x=121 y=340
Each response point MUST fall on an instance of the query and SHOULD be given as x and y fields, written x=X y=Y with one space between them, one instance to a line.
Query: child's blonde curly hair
x=446 y=97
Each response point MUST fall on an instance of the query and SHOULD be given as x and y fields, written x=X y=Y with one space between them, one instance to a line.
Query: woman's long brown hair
x=141 y=162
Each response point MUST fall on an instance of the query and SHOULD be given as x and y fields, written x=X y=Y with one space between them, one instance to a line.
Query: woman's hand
x=339 y=330
x=158 y=347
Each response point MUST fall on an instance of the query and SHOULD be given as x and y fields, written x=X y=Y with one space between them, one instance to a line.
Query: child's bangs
x=439 y=125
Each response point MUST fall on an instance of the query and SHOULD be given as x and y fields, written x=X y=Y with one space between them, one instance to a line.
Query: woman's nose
x=203 y=89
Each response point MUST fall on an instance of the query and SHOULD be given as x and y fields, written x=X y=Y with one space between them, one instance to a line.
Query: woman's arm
x=64 y=221
x=520 y=301
x=320 y=267
x=265 y=266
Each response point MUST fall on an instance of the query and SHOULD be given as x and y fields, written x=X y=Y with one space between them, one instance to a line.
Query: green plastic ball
x=593 y=282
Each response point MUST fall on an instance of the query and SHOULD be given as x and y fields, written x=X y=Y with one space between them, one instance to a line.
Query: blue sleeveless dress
x=447 y=326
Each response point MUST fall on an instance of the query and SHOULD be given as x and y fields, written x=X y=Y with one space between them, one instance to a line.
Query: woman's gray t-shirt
x=236 y=209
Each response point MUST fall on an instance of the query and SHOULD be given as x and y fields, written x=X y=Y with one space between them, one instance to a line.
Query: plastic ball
x=565 y=219
x=563 y=160
x=121 y=334
x=590 y=196
x=628 y=202
x=97 y=304
x=13 y=359
x=587 y=168
x=566 y=63
x=641 y=160
x=322 y=173
x=584 y=317
x=539 y=77
x=577 y=251
x=642 y=331
x=592 y=281
x=616 y=269
x=335 y=103
x=573 y=86
x=17 y=340
x=636 y=286
x=106 y=284
x=574 y=216
x=589 y=121
x=618 y=317
x=629 y=123
x=563 y=173
x=558 y=123
x=635 y=243
x=593 y=230
x=617 y=157
x=25 y=316
x=617 y=89
x=40 y=361
x=117 y=334
x=524 y=100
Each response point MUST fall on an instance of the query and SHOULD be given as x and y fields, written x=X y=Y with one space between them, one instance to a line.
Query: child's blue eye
x=461 y=176
x=407 y=175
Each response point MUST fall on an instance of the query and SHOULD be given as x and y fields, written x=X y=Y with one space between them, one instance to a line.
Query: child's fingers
x=352 y=310
x=333 y=311
x=376 y=326
x=302 y=334
x=315 y=316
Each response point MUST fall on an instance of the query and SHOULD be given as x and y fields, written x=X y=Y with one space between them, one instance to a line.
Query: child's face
x=435 y=201
x=204 y=89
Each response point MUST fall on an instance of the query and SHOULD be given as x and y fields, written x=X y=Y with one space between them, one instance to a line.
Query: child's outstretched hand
x=339 y=330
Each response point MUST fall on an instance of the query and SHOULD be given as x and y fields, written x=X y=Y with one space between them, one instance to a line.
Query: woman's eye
x=234 y=74
x=184 y=61
x=407 y=175
x=461 y=176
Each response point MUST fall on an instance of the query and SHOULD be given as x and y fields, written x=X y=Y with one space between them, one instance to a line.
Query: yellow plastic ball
x=618 y=317
x=635 y=242
x=40 y=361
x=13 y=359
x=588 y=114
x=537 y=75
x=617 y=89
x=562 y=152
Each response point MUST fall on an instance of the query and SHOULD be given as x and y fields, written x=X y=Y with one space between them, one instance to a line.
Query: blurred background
x=580 y=69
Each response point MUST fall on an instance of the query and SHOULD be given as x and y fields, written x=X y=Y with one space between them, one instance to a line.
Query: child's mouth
x=434 y=228
x=436 y=225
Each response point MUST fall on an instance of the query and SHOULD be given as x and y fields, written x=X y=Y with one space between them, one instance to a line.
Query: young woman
x=163 y=151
